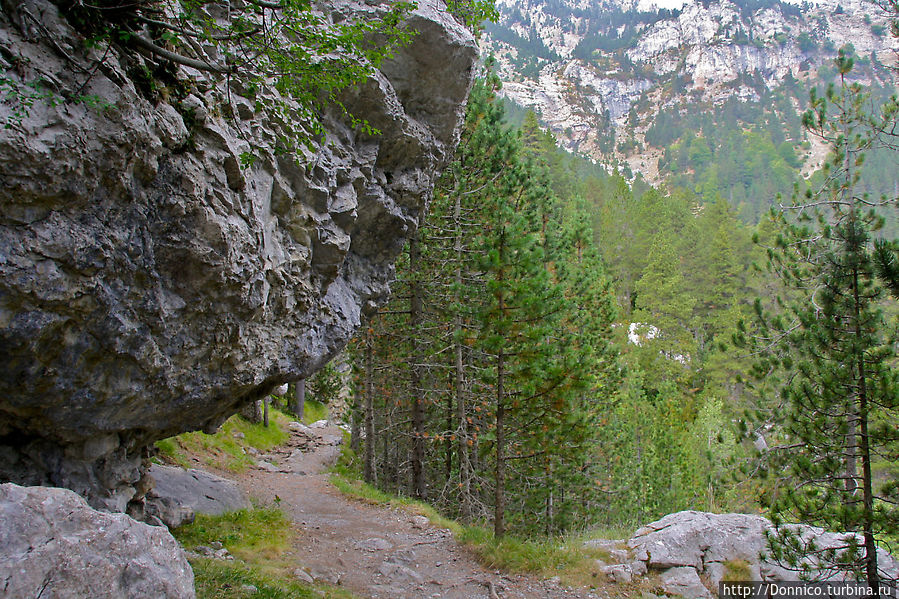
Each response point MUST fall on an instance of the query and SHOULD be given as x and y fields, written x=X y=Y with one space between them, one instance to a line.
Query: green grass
x=736 y=570
x=247 y=534
x=258 y=538
x=612 y=531
x=313 y=411
x=222 y=450
x=217 y=579
x=170 y=449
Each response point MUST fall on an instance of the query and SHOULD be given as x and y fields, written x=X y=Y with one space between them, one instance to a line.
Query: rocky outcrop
x=152 y=280
x=55 y=545
x=687 y=547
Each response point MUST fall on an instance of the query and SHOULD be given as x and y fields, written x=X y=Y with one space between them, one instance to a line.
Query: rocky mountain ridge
x=601 y=72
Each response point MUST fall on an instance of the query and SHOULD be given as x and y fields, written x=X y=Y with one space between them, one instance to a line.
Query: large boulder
x=710 y=543
x=152 y=281
x=178 y=494
x=689 y=549
x=52 y=544
x=693 y=539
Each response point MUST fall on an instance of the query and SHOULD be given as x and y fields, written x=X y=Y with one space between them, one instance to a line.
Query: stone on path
x=399 y=573
x=373 y=544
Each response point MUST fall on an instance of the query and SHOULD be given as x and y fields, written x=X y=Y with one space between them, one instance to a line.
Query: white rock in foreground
x=692 y=551
x=52 y=544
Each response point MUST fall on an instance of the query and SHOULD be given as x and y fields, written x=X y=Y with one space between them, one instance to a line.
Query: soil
x=375 y=551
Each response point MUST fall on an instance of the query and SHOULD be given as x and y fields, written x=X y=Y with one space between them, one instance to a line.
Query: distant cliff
x=152 y=279
x=599 y=73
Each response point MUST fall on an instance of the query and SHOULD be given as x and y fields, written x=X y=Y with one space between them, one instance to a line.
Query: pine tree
x=664 y=310
x=830 y=342
x=492 y=363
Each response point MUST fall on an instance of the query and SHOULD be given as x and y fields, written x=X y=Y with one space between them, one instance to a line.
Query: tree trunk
x=368 y=460
x=499 y=497
x=465 y=466
x=265 y=403
x=300 y=399
x=291 y=398
x=548 y=508
x=355 y=428
x=448 y=444
x=864 y=449
x=415 y=374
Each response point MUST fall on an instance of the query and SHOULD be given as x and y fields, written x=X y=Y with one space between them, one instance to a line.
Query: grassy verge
x=226 y=449
x=258 y=539
x=568 y=559
x=313 y=411
x=251 y=534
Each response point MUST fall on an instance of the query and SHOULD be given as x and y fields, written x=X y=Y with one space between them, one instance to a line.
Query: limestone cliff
x=599 y=73
x=151 y=283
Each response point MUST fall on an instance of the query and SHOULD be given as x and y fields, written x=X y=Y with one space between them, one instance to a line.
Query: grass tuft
x=247 y=534
x=736 y=570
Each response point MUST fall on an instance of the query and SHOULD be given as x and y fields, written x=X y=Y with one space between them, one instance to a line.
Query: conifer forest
x=568 y=347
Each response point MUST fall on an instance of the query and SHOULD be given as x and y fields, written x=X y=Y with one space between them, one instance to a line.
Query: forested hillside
x=570 y=348
x=506 y=374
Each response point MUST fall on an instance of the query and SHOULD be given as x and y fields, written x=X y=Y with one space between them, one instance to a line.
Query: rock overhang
x=150 y=283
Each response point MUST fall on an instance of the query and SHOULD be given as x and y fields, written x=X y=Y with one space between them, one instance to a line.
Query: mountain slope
x=608 y=79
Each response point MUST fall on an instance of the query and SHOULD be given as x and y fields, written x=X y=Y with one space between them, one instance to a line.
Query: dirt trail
x=375 y=551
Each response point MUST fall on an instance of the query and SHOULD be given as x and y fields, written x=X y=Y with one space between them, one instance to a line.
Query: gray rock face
x=707 y=542
x=689 y=549
x=150 y=285
x=685 y=582
x=178 y=494
x=696 y=538
x=52 y=544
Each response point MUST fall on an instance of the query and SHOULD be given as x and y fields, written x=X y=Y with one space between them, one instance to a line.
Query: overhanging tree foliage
x=307 y=52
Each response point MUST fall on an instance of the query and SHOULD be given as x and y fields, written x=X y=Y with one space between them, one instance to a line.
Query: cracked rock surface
x=690 y=549
x=150 y=284
x=55 y=545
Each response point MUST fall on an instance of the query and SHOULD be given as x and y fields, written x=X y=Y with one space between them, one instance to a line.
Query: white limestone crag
x=688 y=547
